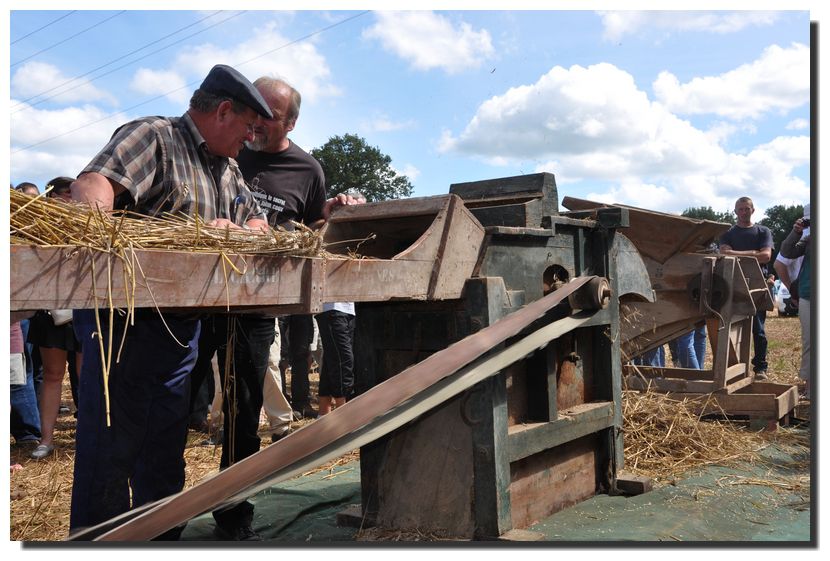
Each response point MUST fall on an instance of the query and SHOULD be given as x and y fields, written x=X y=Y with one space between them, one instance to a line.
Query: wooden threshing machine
x=489 y=347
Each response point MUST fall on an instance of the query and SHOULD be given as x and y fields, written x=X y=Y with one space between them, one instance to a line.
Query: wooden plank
x=666 y=372
x=720 y=353
x=552 y=480
x=670 y=385
x=659 y=235
x=630 y=484
x=577 y=422
x=429 y=469
x=530 y=185
x=457 y=254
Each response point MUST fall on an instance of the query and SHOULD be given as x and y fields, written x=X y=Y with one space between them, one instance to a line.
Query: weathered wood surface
x=659 y=235
x=434 y=266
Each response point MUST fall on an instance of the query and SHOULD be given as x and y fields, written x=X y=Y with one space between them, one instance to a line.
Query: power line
x=43 y=27
x=22 y=103
x=191 y=84
x=67 y=39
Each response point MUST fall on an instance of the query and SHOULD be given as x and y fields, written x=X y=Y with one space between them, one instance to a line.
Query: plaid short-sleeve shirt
x=164 y=164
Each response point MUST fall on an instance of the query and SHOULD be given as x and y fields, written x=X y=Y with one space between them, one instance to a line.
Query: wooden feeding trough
x=439 y=237
x=693 y=287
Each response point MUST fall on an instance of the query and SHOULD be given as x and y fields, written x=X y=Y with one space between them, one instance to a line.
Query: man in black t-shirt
x=290 y=186
x=746 y=239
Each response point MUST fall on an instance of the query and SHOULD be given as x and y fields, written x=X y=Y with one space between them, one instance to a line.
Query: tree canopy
x=780 y=219
x=351 y=164
x=708 y=213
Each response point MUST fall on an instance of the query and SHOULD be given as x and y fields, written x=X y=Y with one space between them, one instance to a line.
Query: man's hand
x=342 y=199
x=223 y=223
x=799 y=226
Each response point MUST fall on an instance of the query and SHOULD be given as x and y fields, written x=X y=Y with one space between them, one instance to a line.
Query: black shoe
x=305 y=412
x=214 y=439
x=277 y=436
x=237 y=534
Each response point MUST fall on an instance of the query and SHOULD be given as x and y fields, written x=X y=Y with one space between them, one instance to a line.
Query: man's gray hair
x=276 y=84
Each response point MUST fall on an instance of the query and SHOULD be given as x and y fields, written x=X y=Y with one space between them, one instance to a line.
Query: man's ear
x=290 y=126
x=224 y=109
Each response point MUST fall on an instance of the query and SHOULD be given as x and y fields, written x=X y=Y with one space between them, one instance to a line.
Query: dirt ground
x=40 y=490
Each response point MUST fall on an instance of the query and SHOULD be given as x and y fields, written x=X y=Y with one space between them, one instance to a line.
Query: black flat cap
x=226 y=81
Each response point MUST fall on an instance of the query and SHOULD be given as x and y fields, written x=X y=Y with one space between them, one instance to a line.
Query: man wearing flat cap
x=155 y=165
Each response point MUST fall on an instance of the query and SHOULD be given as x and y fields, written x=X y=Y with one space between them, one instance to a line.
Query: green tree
x=350 y=163
x=780 y=219
x=707 y=213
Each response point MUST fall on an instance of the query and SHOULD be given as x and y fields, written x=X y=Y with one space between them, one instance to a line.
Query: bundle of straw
x=52 y=222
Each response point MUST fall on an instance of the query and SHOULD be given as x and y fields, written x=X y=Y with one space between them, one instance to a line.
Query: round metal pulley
x=595 y=295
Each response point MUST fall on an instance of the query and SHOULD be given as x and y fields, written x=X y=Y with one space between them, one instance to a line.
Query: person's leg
x=159 y=467
x=686 y=351
x=804 y=372
x=54 y=368
x=202 y=375
x=759 y=338
x=336 y=374
x=25 y=416
x=700 y=345
x=250 y=339
x=100 y=489
x=301 y=333
x=274 y=404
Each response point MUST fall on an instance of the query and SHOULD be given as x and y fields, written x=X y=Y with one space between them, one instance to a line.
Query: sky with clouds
x=660 y=110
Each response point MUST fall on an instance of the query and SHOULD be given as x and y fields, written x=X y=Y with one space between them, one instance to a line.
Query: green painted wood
x=526 y=440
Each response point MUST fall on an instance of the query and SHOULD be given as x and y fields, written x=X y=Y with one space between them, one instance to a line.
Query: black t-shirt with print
x=289 y=185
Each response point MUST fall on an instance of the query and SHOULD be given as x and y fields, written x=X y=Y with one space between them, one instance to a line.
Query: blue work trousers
x=759 y=339
x=137 y=457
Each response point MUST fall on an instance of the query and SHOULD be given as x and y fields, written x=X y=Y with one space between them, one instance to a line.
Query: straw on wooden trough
x=52 y=222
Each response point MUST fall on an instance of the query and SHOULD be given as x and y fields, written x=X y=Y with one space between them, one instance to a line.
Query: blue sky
x=661 y=110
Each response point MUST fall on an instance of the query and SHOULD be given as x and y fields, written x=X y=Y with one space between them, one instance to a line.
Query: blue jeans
x=137 y=457
x=683 y=351
x=759 y=339
x=654 y=357
x=700 y=345
x=24 y=423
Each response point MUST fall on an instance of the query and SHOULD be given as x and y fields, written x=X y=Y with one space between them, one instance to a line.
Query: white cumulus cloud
x=428 y=40
x=777 y=81
x=161 y=82
x=49 y=143
x=616 y=25
x=595 y=125
x=39 y=81
x=300 y=64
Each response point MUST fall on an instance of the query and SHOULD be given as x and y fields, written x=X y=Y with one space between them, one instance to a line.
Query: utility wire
x=21 y=105
x=43 y=27
x=332 y=26
x=67 y=39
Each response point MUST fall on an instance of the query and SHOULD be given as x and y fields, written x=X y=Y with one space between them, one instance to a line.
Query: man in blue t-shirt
x=746 y=239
